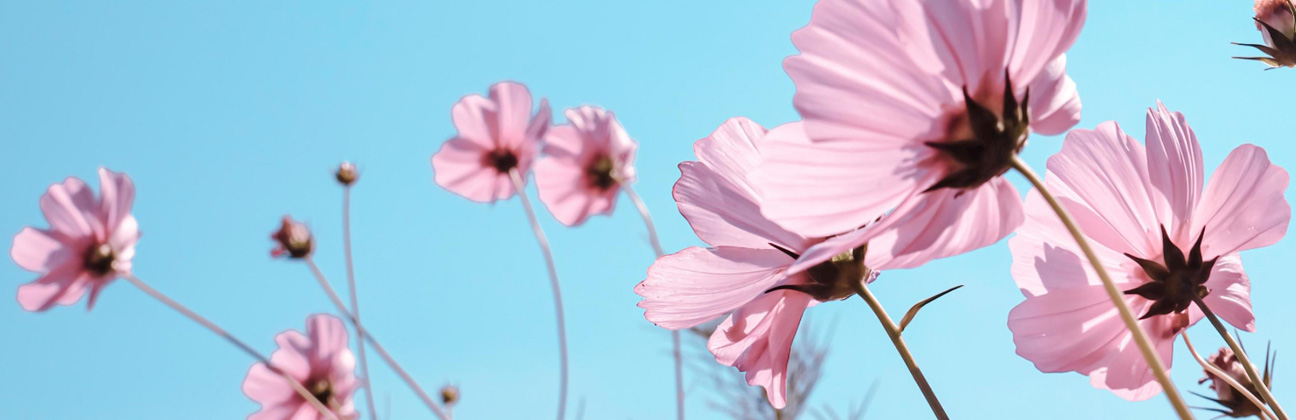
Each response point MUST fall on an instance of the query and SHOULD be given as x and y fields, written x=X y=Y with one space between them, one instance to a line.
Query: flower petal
x=1230 y=293
x=459 y=168
x=696 y=285
x=268 y=388
x=1174 y=169
x=69 y=207
x=1054 y=101
x=1243 y=206
x=1045 y=29
x=566 y=191
x=292 y=356
x=474 y=119
x=117 y=194
x=328 y=337
x=513 y=102
x=40 y=250
x=757 y=339
x=64 y=284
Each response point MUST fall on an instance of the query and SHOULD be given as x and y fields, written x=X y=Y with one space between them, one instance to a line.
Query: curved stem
x=1140 y=336
x=893 y=331
x=355 y=301
x=368 y=335
x=296 y=386
x=1228 y=379
x=675 y=335
x=1255 y=377
x=557 y=291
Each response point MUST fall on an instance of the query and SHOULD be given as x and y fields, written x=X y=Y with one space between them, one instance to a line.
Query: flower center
x=322 y=390
x=833 y=279
x=995 y=139
x=99 y=259
x=1177 y=280
x=502 y=160
x=600 y=173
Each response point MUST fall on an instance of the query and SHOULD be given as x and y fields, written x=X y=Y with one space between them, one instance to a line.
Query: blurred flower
x=449 y=394
x=585 y=163
x=347 y=173
x=90 y=242
x=320 y=360
x=1235 y=404
x=294 y=240
x=744 y=273
x=1276 y=20
x=916 y=108
x=495 y=135
x=1163 y=238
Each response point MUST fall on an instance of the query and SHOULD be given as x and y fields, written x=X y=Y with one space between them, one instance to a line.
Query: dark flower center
x=833 y=279
x=322 y=390
x=600 y=173
x=99 y=259
x=1177 y=280
x=996 y=138
x=503 y=160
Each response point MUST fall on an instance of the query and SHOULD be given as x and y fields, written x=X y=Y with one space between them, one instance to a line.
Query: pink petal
x=268 y=388
x=1054 y=101
x=123 y=242
x=539 y=125
x=70 y=207
x=117 y=193
x=1101 y=177
x=757 y=339
x=292 y=356
x=514 y=119
x=1047 y=258
x=40 y=250
x=328 y=337
x=1230 y=293
x=1174 y=169
x=716 y=196
x=285 y=411
x=459 y=168
x=1243 y=206
x=566 y=191
x=474 y=118
x=64 y=284
x=698 y=284
x=1127 y=373
x=1073 y=329
x=1045 y=29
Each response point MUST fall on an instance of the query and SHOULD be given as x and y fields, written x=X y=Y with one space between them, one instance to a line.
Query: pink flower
x=90 y=242
x=916 y=108
x=744 y=272
x=586 y=162
x=293 y=240
x=320 y=360
x=496 y=135
x=1277 y=14
x=1235 y=404
x=1162 y=237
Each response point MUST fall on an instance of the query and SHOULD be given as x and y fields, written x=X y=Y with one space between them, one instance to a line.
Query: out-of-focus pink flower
x=744 y=272
x=1235 y=404
x=916 y=108
x=1278 y=14
x=90 y=242
x=1163 y=238
x=496 y=134
x=320 y=360
x=293 y=240
x=585 y=163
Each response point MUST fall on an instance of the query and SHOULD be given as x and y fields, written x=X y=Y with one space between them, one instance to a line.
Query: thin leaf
x=914 y=310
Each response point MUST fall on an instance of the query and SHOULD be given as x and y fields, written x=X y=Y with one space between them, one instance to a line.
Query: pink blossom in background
x=915 y=108
x=1124 y=196
x=495 y=135
x=320 y=360
x=1279 y=15
x=1235 y=404
x=585 y=163
x=744 y=272
x=90 y=242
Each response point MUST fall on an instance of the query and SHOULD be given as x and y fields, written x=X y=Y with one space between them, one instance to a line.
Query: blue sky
x=229 y=115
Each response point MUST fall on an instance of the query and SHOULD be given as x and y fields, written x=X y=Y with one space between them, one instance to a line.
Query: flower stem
x=297 y=386
x=893 y=331
x=1228 y=379
x=557 y=291
x=368 y=335
x=1255 y=377
x=355 y=301
x=675 y=335
x=1131 y=323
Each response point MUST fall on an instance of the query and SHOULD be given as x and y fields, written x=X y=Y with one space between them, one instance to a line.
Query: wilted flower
x=1164 y=238
x=347 y=173
x=916 y=108
x=90 y=242
x=1276 y=20
x=320 y=360
x=1235 y=404
x=294 y=240
x=495 y=136
x=585 y=163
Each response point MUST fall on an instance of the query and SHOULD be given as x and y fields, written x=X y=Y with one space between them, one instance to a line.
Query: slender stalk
x=1140 y=336
x=1255 y=377
x=557 y=291
x=675 y=335
x=1228 y=379
x=893 y=331
x=355 y=301
x=297 y=386
x=368 y=335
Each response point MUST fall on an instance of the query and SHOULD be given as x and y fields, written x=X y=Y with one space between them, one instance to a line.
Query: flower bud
x=294 y=240
x=449 y=394
x=1234 y=403
x=347 y=173
x=1278 y=14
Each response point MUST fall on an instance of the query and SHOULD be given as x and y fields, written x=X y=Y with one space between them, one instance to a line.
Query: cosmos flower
x=90 y=242
x=585 y=163
x=495 y=135
x=744 y=273
x=1233 y=402
x=916 y=108
x=320 y=360
x=1276 y=20
x=1163 y=237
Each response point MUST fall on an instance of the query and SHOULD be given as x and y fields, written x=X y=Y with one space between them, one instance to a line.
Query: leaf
x=914 y=310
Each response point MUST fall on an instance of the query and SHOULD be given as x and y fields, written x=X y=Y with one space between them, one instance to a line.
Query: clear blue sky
x=230 y=114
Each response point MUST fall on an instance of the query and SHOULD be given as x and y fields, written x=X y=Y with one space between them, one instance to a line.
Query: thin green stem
x=355 y=301
x=1255 y=377
x=1117 y=298
x=553 y=283
x=675 y=335
x=893 y=331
